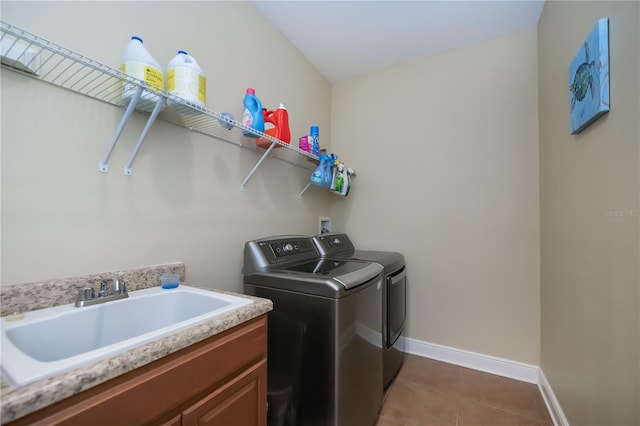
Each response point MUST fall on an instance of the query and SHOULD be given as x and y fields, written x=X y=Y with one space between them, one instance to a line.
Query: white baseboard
x=557 y=415
x=490 y=364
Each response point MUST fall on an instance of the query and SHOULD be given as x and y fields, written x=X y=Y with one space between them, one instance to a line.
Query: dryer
x=339 y=246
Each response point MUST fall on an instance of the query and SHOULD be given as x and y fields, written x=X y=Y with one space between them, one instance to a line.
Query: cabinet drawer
x=155 y=390
x=242 y=401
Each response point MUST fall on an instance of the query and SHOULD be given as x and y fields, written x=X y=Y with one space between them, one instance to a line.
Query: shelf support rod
x=104 y=163
x=143 y=135
x=265 y=155
x=304 y=189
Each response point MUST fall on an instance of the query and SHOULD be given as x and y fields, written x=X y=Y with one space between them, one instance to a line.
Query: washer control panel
x=290 y=247
x=286 y=249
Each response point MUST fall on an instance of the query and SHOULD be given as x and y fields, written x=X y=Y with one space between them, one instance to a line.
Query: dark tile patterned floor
x=428 y=392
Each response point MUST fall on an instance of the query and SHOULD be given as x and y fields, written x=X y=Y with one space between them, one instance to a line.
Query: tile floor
x=428 y=392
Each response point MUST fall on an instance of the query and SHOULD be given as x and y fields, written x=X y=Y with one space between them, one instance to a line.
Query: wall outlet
x=324 y=225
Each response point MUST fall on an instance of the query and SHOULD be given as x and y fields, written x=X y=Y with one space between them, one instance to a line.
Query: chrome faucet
x=87 y=295
x=118 y=287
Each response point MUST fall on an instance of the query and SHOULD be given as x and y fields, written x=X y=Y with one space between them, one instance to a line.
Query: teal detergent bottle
x=322 y=175
x=252 y=116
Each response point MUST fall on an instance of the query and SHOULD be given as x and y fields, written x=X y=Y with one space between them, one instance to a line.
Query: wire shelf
x=43 y=60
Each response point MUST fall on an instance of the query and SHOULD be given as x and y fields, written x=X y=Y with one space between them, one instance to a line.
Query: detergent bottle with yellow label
x=186 y=79
x=138 y=63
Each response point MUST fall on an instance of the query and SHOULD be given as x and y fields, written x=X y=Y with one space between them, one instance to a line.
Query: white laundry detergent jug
x=186 y=79
x=138 y=63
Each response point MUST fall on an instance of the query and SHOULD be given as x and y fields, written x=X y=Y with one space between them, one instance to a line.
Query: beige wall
x=454 y=143
x=451 y=140
x=590 y=255
x=447 y=151
x=61 y=217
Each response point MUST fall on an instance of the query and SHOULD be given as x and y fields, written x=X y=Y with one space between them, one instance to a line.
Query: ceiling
x=345 y=39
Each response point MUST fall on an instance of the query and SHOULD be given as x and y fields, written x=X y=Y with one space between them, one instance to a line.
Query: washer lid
x=349 y=274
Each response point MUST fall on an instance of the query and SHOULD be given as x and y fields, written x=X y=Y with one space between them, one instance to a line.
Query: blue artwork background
x=586 y=104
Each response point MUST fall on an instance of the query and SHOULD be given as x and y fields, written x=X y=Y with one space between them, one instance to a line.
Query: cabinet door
x=176 y=421
x=241 y=401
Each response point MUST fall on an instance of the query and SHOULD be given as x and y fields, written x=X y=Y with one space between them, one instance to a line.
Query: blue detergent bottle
x=252 y=116
x=322 y=175
x=314 y=143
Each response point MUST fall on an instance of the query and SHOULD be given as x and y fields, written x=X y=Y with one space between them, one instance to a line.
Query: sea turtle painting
x=589 y=72
x=583 y=80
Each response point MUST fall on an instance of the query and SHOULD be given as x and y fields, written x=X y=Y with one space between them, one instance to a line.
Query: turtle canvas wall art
x=589 y=78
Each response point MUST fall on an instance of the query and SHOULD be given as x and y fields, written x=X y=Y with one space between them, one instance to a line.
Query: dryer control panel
x=333 y=244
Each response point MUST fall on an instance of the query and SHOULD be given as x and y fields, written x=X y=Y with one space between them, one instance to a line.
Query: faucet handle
x=119 y=287
x=85 y=294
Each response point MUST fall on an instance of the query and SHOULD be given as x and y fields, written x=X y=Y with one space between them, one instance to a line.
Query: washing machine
x=325 y=330
x=339 y=246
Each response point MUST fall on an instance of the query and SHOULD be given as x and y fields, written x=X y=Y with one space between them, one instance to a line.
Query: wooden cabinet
x=176 y=421
x=220 y=381
x=233 y=404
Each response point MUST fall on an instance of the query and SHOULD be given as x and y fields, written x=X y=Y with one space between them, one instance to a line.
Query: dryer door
x=396 y=305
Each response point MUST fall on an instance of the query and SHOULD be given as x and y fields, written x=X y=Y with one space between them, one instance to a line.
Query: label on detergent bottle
x=269 y=129
x=202 y=88
x=339 y=183
x=150 y=75
x=247 y=118
x=187 y=83
x=316 y=176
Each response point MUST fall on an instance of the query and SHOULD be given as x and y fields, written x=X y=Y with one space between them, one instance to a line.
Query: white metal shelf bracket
x=304 y=189
x=265 y=155
x=143 y=135
x=104 y=163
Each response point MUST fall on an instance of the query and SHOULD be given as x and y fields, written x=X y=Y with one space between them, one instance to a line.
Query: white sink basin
x=54 y=340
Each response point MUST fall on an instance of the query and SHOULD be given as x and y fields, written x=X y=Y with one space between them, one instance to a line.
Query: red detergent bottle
x=276 y=124
x=281 y=119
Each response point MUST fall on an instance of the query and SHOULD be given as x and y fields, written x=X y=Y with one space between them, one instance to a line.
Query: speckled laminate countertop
x=20 y=401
